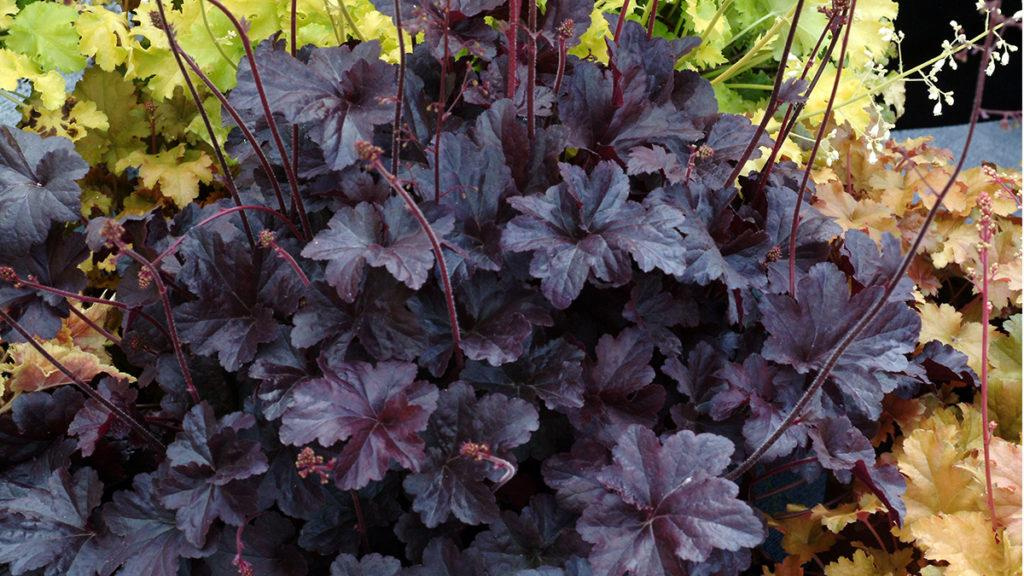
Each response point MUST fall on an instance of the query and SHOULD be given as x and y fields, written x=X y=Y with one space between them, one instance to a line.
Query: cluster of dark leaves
x=627 y=333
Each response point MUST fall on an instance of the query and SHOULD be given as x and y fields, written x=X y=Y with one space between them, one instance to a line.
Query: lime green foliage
x=130 y=109
x=46 y=32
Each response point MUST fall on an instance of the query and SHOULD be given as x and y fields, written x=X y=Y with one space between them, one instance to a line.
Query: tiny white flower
x=937 y=111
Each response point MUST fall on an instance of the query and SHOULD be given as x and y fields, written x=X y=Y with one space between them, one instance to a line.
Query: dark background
x=926 y=25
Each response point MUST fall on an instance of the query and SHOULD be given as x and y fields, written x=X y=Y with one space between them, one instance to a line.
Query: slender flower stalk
x=651 y=18
x=229 y=182
x=512 y=34
x=242 y=127
x=243 y=566
x=865 y=320
x=371 y=155
x=773 y=101
x=173 y=247
x=565 y=32
x=795 y=223
x=269 y=116
x=793 y=110
x=8 y=274
x=620 y=22
x=112 y=232
x=985 y=227
x=267 y=240
x=482 y=453
x=94 y=326
x=531 y=68
x=396 y=128
x=357 y=506
x=294 y=50
x=440 y=105
x=85 y=388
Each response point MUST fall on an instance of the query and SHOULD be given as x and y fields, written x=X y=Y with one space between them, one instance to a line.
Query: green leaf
x=46 y=32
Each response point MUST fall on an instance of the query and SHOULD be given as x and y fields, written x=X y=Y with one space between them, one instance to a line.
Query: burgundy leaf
x=803 y=332
x=619 y=388
x=383 y=236
x=209 y=471
x=450 y=483
x=665 y=504
x=378 y=410
x=587 y=228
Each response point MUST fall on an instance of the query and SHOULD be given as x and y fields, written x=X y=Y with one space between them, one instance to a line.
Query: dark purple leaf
x=593 y=122
x=369 y=565
x=239 y=291
x=37 y=186
x=665 y=504
x=383 y=236
x=378 y=411
x=942 y=363
x=619 y=388
x=552 y=373
x=53 y=263
x=886 y=482
x=839 y=445
x=655 y=312
x=497 y=317
x=341 y=93
x=874 y=265
x=267 y=547
x=804 y=332
x=145 y=538
x=95 y=421
x=37 y=425
x=48 y=527
x=541 y=534
x=380 y=321
x=209 y=471
x=451 y=484
x=654 y=160
x=574 y=475
x=587 y=227
x=769 y=392
x=462 y=30
x=534 y=165
x=474 y=184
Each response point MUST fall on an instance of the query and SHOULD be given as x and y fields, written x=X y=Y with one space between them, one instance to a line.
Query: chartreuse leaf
x=126 y=129
x=48 y=84
x=8 y=8
x=73 y=124
x=152 y=61
x=77 y=346
x=178 y=172
x=45 y=31
x=105 y=36
x=1006 y=485
x=699 y=14
x=871 y=562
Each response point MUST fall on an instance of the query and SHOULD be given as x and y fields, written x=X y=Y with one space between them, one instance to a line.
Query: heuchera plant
x=561 y=332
